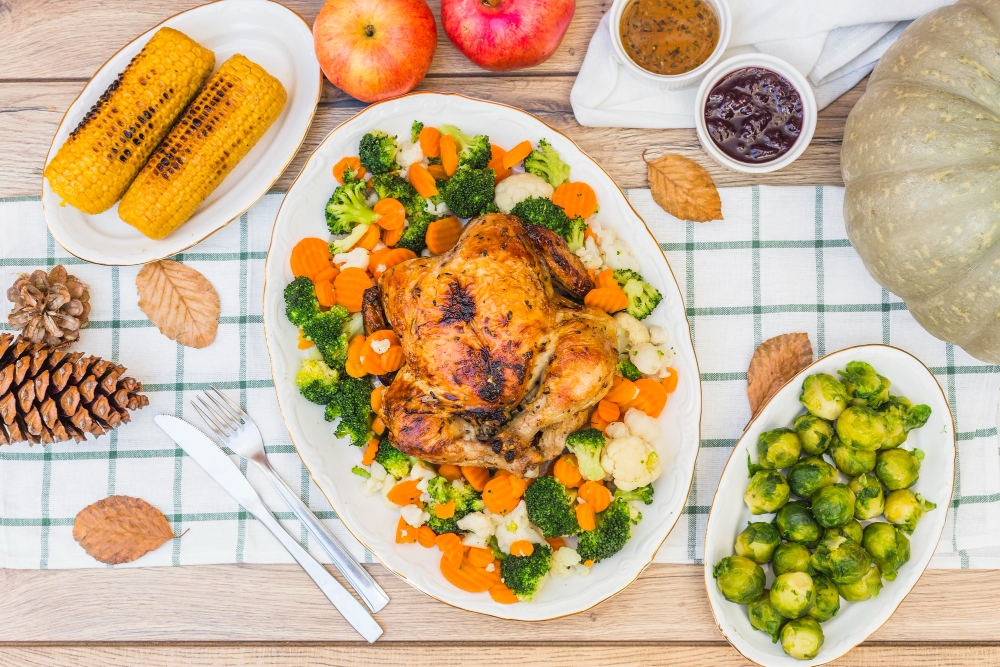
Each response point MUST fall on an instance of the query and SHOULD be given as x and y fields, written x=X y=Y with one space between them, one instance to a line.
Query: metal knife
x=221 y=468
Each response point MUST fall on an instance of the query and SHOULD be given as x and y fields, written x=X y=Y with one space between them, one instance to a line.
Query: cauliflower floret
x=631 y=461
x=650 y=359
x=605 y=235
x=480 y=529
x=408 y=153
x=440 y=209
x=375 y=481
x=658 y=335
x=515 y=526
x=642 y=425
x=589 y=254
x=357 y=258
x=564 y=562
x=371 y=199
x=635 y=330
x=617 y=430
x=413 y=515
x=618 y=255
x=515 y=189
x=381 y=346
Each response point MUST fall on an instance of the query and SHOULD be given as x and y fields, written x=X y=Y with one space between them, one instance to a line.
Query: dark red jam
x=754 y=115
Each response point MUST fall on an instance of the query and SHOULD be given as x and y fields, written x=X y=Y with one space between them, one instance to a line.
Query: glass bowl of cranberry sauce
x=755 y=113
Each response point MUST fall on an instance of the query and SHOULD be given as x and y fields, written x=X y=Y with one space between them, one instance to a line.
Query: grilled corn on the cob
x=229 y=116
x=105 y=152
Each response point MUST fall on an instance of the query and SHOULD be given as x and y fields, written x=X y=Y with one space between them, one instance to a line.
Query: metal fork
x=238 y=432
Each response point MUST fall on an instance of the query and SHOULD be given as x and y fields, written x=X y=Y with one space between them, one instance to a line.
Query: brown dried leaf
x=683 y=188
x=179 y=301
x=120 y=529
x=775 y=362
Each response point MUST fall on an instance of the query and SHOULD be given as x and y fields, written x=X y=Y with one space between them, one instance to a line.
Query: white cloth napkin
x=835 y=44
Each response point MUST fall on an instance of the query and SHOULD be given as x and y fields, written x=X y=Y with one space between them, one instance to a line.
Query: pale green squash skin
x=921 y=162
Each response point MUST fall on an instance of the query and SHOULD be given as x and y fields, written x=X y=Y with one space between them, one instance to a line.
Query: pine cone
x=50 y=395
x=50 y=307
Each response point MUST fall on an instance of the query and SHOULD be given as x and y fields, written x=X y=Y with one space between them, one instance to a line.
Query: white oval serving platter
x=729 y=514
x=329 y=461
x=267 y=33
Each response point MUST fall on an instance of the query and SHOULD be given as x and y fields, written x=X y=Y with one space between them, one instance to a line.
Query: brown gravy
x=669 y=36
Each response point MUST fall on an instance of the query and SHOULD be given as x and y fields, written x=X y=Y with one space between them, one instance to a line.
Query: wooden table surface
x=274 y=615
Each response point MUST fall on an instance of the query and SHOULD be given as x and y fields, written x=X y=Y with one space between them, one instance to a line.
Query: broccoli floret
x=544 y=161
x=628 y=370
x=395 y=462
x=643 y=493
x=587 y=446
x=378 y=152
x=361 y=472
x=574 y=234
x=347 y=208
x=465 y=497
x=345 y=244
x=491 y=208
x=550 y=507
x=328 y=331
x=524 y=575
x=473 y=152
x=614 y=528
x=415 y=131
x=469 y=191
x=316 y=381
x=415 y=235
x=352 y=404
x=542 y=212
x=395 y=186
x=642 y=297
x=301 y=304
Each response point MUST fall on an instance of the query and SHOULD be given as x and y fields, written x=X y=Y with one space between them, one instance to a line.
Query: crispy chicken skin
x=499 y=366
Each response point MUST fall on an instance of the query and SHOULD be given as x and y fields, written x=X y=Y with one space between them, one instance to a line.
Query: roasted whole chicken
x=502 y=360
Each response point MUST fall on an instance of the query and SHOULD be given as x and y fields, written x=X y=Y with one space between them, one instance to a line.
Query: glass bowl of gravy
x=672 y=43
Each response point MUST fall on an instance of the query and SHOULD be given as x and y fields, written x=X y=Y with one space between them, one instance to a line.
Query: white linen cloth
x=835 y=44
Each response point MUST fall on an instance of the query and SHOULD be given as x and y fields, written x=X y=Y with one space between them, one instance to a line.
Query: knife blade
x=221 y=468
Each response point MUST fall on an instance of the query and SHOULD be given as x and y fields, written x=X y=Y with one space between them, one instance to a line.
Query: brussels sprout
x=905 y=509
x=767 y=492
x=764 y=616
x=791 y=557
x=865 y=588
x=869 y=498
x=888 y=547
x=864 y=385
x=833 y=505
x=792 y=594
x=809 y=475
x=898 y=468
x=824 y=396
x=758 y=542
x=914 y=416
x=842 y=559
x=895 y=432
x=827 y=599
x=814 y=433
x=852 y=530
x=852 y=462
x=861 y=427
x=779 y=448
x=796 y=524
x=802 y=638
x=739 y=579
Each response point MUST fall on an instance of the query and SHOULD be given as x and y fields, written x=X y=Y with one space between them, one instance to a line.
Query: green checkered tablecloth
x=780 y=262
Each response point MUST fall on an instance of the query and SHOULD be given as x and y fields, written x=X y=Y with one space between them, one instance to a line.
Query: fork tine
x=221 y=419
x=232 y=403
x=210 y=422
x=233 y=420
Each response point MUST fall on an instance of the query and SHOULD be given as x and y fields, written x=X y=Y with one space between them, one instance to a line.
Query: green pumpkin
x=921 y=162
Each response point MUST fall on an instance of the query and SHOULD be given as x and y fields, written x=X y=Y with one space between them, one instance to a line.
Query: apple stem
x=370 y=30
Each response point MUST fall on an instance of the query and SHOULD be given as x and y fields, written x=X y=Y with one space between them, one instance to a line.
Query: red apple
x=502 y=35
x=375 y=49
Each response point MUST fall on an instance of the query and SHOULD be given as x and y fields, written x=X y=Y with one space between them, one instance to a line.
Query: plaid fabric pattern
x=779 y=262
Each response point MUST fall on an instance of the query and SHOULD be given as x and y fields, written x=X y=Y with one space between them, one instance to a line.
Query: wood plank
x=55 y=39
x=31 y=111
x=270 y=603
x=436 y=655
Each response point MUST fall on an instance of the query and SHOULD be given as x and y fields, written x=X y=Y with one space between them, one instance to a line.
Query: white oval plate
x=729 y=514
x=267 y=33
x=330 y=462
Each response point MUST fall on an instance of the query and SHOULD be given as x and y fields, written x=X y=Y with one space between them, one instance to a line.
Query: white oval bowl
x=267 y=33
x=329 y=461
x=729 y=514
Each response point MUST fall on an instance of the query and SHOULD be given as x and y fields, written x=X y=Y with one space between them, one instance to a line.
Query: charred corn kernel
x=103 y=155
x=231 y=113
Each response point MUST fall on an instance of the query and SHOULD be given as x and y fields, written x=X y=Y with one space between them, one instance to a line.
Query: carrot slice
x=477 y=477
x=405 y=533
x=430 y=141
x=467 y=577
x=596 y=494
x=589 y=233
x=391 y=237
x=378 y=426
x=556 y=543
x=445 y=510
x=450 y=472
x=585 y=516
x=405 y=493
x=392 y=359
x=304 y=343
x=606 y=278
x=597 y=422
x=370 y=239
x=623 y=391
x=355 y=369
x=442 y=235
x=374 y=257
x=522 y=548
x=652 y=397
x=438 y=172
x=370 y=451
x=608 y=299
x=352 y=165
x=502 y=595
x=328 y=274
x=499 y=496
x=309 y=257
x=670 y=382
x=518 y=485
x=449 y=154
x=496 y=163
x=608 y=410
x=425 y=536
x=448 y=542
x=422 y=181
x=350 y=286
x=324 y=293
x=578 y=200
x=392 y=215
x=378 y=394
x=480 y=557
x=354 y=348
x=390 y=259
x=516 y=154
x=567 y=471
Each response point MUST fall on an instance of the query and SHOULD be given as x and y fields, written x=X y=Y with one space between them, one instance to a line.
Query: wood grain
x=268 y=603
